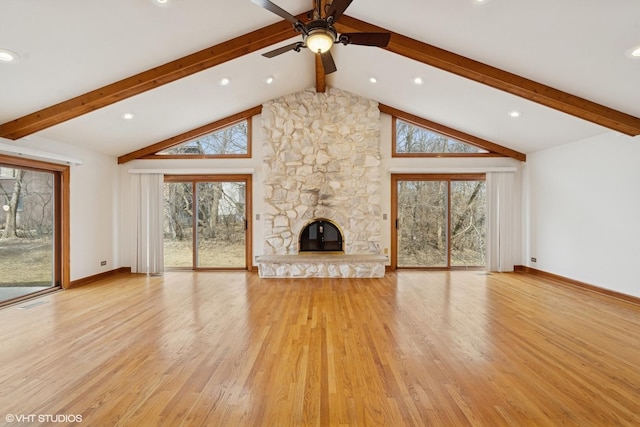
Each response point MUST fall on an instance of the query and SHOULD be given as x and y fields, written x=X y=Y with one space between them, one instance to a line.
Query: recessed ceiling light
x=373 y=79
x=128 y=116
x=515 y=113
x=634 y=52
x=160 y=2
x=418 y=80
x=224 y=81
x=268 y=80
x=8 y=56
x=480 y=1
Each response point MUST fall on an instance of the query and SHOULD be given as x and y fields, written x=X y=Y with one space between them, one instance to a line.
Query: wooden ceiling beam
x=499 y=79
x=321 y=77
x=150 y=79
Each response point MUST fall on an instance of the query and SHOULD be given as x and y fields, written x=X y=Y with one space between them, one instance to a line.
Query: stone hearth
x=322 y=265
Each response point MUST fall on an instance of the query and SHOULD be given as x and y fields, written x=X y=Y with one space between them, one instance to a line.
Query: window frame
x=395 y=178
x=394 y=143
x=194 y=180
x=395 y=153
x=158 y=154
x=151 y=151
x=493 y=149
x=62 y=207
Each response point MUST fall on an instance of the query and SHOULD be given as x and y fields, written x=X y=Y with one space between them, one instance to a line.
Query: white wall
x=94 y=208
x=442 y=165
x=584 y=210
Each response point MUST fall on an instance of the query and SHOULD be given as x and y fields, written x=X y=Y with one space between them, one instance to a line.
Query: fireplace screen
x=321 y=236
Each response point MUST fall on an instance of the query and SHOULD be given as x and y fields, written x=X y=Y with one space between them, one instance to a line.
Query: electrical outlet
x=534 y=259
x=386 y=251
x=103 y=263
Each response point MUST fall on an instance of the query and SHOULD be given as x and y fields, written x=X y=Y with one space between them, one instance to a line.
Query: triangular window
x=229 y=141
x=413 y=139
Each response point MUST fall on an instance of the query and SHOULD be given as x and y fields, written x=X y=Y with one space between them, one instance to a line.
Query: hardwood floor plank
x=410 y=349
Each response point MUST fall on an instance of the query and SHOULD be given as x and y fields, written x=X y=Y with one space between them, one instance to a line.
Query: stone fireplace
x=322 y=162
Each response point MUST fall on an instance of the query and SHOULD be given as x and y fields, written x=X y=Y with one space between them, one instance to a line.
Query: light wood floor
x=414 y=349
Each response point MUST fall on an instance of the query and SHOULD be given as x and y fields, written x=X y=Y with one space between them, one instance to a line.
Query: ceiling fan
x=319 y=34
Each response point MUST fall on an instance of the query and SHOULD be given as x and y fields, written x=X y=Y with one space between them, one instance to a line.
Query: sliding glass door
x=178 y=224
x=468 y=223
x=206 y=223
x=422 y=220
x=439 y=221
x=28 y=218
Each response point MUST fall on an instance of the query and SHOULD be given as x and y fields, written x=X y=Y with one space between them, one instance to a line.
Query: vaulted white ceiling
x=71 y=47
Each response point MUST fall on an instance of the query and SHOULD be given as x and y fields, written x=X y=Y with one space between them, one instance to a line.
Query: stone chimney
x=322 y=160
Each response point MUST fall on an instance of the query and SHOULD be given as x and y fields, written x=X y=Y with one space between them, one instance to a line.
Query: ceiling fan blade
x=328 y=63
x=278 y=11
x=366 y=39
x=294 y=46
x=337 y=8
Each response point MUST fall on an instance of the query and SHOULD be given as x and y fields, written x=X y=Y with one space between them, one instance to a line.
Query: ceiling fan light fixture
x=320 y=40
x=319 y=35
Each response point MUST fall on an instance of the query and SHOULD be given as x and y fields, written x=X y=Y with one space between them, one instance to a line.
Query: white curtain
x=147 y=240
x=502 y=230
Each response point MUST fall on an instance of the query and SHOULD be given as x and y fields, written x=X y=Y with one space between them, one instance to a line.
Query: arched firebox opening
x=320 y=236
